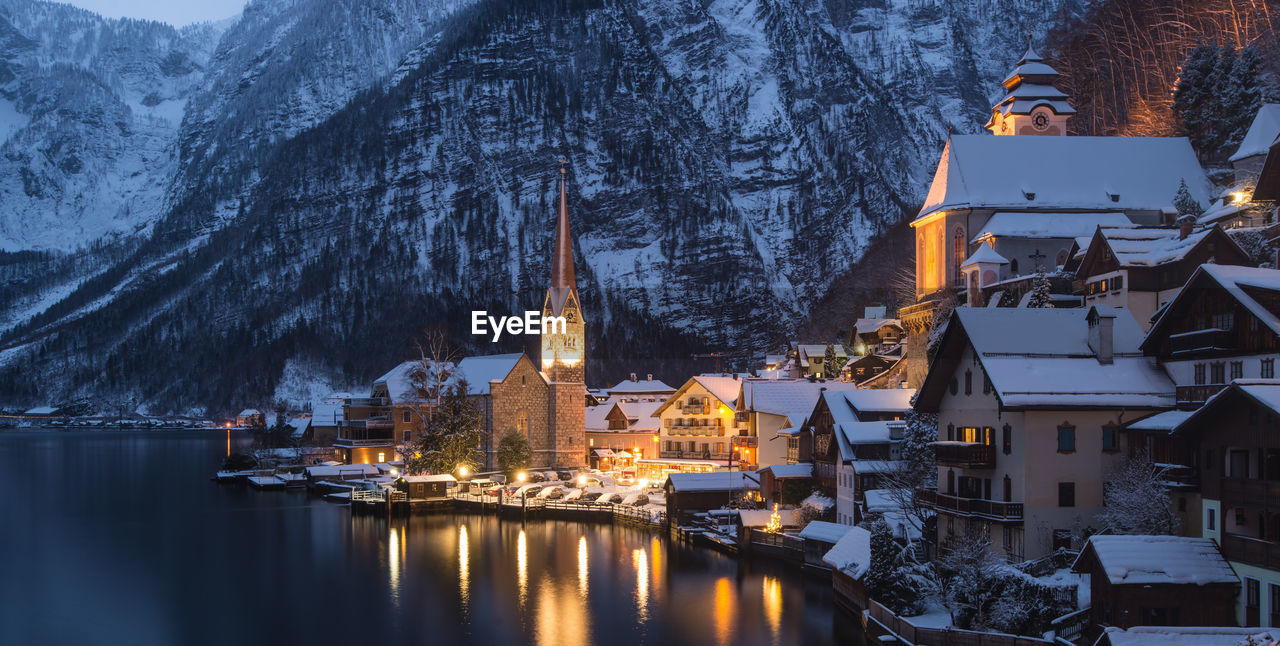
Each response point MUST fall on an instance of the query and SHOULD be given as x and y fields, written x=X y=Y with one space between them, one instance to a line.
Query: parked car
x=537 y=477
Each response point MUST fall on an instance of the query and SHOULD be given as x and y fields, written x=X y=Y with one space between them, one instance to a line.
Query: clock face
x=1040 y=121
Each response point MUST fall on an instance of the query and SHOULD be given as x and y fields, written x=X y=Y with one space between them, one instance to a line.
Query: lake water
x=119 y=537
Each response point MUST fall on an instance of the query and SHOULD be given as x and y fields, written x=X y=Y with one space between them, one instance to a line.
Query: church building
x=1029 y=192
x=546 y=401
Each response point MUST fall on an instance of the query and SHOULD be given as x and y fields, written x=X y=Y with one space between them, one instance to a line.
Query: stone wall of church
x=523 y=390
x=569 y=408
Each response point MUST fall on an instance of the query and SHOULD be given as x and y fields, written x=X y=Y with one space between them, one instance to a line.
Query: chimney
x=633 y=376
x=1102 y=334
x=1185 y=223
x=648 y=377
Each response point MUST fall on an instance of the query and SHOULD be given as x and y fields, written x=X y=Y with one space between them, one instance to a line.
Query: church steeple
x=1032 y=105
x=563 y=349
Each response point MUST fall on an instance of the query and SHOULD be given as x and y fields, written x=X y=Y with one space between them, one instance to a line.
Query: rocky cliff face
x=346 y=173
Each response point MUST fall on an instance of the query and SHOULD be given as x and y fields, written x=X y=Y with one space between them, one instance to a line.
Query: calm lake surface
x=119 y=537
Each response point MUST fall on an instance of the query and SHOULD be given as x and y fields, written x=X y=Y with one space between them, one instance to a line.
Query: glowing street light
x=582 y=481
x=462 y=470
x=522 y=476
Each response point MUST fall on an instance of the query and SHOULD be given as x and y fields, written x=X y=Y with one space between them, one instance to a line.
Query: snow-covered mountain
x=347 y=172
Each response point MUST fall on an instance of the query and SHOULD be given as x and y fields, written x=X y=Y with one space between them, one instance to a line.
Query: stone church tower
x=564 y=351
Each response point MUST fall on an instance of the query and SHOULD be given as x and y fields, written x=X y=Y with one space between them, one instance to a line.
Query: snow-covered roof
x=1262 y=133
x=1166 y=421
x=1235 y=280
x=863 y=467
x=1152 y=560
x=821 y=530
x=1064 y=174
x=1264 y=391
x=480 y=371
x=45 y=410
x=880 y=400
x=1150 y=246
x=723 y=388
x=597 y=417
x=851 y=554
x=792 y=398
x=328 y=410
x=1190 y=636
x=894 y=512
x=249 y=412
x=402 y=381
x=714 y=481
x=323 y=471
x=1048 y=225
x=299 y=426
x=437 y=477
x=1041 y=358
x=984 y=254
x=783 y=471
x=760 y=517
x=641 y=415
x=641 y=386
x=867 y=326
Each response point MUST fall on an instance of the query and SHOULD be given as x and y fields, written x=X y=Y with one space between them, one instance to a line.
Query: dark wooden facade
x=1216 y=247
x=1205 y=321
x=1186 y=604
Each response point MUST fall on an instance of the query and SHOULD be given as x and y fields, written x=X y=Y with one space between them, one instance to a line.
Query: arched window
x=522 y=423
x=1013 y=266
x=958 y=248
x=1062 y=257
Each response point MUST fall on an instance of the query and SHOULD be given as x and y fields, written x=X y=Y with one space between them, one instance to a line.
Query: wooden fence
x=906 y=631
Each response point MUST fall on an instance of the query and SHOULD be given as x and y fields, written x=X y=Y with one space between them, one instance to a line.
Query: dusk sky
x=174 y=13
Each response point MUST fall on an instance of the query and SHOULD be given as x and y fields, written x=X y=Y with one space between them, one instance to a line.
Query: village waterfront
x=183 y=560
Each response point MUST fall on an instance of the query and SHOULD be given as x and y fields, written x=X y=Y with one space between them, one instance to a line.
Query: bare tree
x=1137 y=500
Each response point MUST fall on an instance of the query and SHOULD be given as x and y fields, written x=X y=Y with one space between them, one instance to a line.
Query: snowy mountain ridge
x=348 y=171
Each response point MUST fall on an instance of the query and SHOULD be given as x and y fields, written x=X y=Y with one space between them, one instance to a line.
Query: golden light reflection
x=522 y=567
x=582 y=566
x=656 y=548
x=228 y=442
x=773 y=607
x=722 y=615
x=640 y=560
x=562 y=617
x=464 y=568
x=395 y=554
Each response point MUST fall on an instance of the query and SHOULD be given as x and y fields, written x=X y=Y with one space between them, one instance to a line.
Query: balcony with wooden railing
x=965 y=455
x=972 y=507
x=1242 y=492
x=1253 y=551
x=1205 y=340
x=1197 y=394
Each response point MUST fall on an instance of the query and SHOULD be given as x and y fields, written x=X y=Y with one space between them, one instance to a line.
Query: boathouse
x=425 y=487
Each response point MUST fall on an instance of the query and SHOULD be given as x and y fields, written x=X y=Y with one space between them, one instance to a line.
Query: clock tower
x=1032 y=105
x=564 y=351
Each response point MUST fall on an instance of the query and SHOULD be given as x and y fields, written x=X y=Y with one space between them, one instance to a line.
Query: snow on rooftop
x=1262 y=133
x=1150 y=246
x=342 y=470
x=801 y=470
x=299 y=426
x=479 y=371
x=851 y=554
x=249 y=412
x=880 y=400
x=714 y=481
x=640 y=386
x=1152 y=560
x=867 y=326
x=792 y=398
x=1166 y=421
x=42 y=410
x=1048 y=225
x=1064 y=173
x=438 y=477
x=723 y=388
x=1235 y=278
x=821 y=530
x=1190 y=636
x=985 y=254
x=402 y=381
x=641 y=415
x=1041 y=357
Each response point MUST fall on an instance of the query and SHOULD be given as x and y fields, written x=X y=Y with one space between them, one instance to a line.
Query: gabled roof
x=1236 y=281
x=641 y=416
x=1188 y=636
x=1156 y=560
x=984 y=254
x=851 y=554
x=1064 y=174
x=402 y=381
x=480 y=371
x=821 y=530
x=867 y=326
x=1264 y=392
x=640 y=387
x=714 y=481
x=880 y=400
x=1040 y=358
x=792 y=398
x=1134 y=247
x=725 y=389
x=1262 y=132
x=1048 y=225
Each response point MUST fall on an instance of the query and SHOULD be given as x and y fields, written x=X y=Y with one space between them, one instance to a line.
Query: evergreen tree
x=1243 y=96
x=514 y=453
x=1184 y=203
x=451 y=436
x=884 y=579
x=832 y=363
x=1193 y=91
x=1041 y=295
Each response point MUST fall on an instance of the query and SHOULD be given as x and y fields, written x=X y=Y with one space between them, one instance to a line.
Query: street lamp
x=462 y=470
x=521 y=477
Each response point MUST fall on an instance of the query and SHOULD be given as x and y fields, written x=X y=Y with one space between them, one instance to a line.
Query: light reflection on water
x=281 y=567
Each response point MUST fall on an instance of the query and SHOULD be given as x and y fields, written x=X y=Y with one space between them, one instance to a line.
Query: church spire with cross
x=563 y=349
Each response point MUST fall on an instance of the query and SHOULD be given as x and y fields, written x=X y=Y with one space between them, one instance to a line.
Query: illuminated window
x=958 y=255
x=522 y=423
